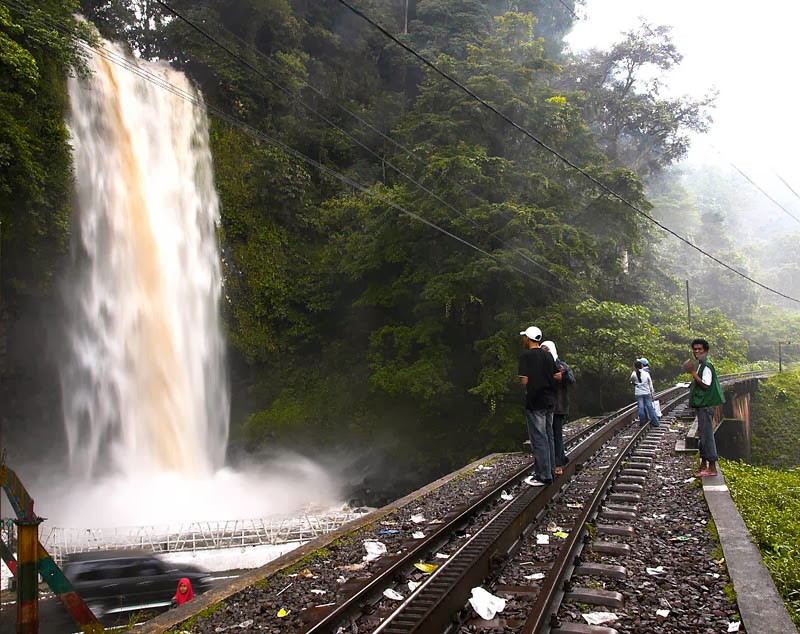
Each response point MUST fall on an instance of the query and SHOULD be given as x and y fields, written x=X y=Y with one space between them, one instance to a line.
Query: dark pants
x=705 y=434
x=558 y=439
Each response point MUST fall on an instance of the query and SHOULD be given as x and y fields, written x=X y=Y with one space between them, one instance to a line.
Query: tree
x=638 y=128
x=38 y=48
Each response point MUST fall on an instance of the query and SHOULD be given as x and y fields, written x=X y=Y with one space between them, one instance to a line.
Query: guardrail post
x=28 y=575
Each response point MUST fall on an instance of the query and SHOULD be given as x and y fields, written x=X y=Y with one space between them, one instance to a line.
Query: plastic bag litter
x=664 y=613
x=542 y=539
x=485 y=603
x=413 y=585
x=658 y=570
x=598 y=618
x=394 y=595
x=734 y=626
x=442 y=556
x=417 y=519
x=374 y=550
x=418 y=535
x=505 y=495
x=535 y=576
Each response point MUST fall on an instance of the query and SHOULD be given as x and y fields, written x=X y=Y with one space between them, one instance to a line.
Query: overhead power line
x=130 y=66
x=298 y=99
x=553 y=151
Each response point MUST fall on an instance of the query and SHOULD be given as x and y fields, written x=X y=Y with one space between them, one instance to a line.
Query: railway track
x=597 y=474
x=480 y=538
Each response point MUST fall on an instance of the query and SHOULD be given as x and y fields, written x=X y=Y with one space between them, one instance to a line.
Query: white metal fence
x=194 y=536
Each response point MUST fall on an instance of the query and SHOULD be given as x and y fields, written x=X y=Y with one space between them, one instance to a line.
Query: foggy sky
x=748 y=52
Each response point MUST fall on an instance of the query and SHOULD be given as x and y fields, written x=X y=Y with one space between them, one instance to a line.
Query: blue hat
x=644 y=361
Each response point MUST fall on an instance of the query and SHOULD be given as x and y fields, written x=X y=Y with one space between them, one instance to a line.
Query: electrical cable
x=115 y=58
x=788 y=186
x=330 y=123
x=554 y=152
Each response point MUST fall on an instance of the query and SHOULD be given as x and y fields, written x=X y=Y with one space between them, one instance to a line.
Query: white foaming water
x=145 y=392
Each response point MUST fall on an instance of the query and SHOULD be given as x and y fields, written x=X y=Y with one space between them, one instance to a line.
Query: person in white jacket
x=645 y=394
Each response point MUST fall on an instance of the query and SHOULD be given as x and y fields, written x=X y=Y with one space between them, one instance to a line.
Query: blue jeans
x=706 y=444
x=540 y=431
x=558 y=439
x=646 y=409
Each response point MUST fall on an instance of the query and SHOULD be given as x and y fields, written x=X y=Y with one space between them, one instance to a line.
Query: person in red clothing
x=184 y=592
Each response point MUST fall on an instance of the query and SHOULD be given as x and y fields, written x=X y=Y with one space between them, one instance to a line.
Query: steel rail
x=552 y=591
x=431 y=607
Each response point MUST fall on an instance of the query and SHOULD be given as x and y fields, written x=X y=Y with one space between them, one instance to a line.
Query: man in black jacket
x=536 y=370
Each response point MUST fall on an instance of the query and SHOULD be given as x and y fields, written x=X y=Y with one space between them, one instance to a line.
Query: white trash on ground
x=374 y=550
x=485 y=603
x=598 y=618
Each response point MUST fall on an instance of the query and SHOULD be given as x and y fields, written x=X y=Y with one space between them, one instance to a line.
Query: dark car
x=127 y=580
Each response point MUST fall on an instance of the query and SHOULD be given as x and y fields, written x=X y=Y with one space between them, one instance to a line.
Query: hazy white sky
x=749 y=51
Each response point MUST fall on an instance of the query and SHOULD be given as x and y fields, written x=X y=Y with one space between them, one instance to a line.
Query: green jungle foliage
x=355 y=325
x=769 y=501
x=775 y=421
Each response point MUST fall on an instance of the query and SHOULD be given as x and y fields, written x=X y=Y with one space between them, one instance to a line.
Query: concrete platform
x=762 y=608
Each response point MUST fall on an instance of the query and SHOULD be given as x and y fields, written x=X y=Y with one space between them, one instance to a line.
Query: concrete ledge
x=762 y=608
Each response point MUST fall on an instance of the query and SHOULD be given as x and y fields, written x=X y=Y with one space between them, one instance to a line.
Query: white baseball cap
x=532 y=333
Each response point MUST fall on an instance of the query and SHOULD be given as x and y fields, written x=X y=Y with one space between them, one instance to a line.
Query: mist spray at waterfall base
x=143 y=380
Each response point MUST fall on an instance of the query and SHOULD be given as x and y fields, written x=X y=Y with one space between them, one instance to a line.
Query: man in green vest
x=705 y=394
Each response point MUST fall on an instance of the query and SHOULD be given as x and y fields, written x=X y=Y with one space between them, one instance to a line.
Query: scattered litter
x=482 y=482
x=505 y=495
x=659 y=466
x=277 y=594
x=417 y=519
x=733 y=626
x=246 y=623
x=374 y=550
x=481 y=467
x=442 y=556
x=598 y=618
x=553 y=527
x=426 y=568
x=485 y=603
x=317 y=591
x=535 y=576
x=605 y=466
x=659 y=516
x=307 y=574
x=388 y=531
x=341 y=580
x=543 y=539
x=283 y=612
x=574 y=506
x=561 y=534
x=692 y=479
x=658 y=570
x=664 y=613
x=720 y=562
x=392 y=594
x=325 y=605
x=354 y=567
x=418 y=535
x=715 y=575
x=680 y=538
x=413 y=585
x=389 y=523
x=436 y=522
x=462 y=534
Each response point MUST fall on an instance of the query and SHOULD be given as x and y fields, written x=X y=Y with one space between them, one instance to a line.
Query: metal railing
x=189 y=537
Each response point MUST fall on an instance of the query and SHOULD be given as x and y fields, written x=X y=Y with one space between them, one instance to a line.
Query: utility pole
x=780 y=356
x=688 y=306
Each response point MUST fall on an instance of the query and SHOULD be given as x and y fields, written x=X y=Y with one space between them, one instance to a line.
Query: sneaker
x=534 y=482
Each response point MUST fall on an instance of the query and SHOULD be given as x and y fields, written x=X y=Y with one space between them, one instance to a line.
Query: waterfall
x=144 y=385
